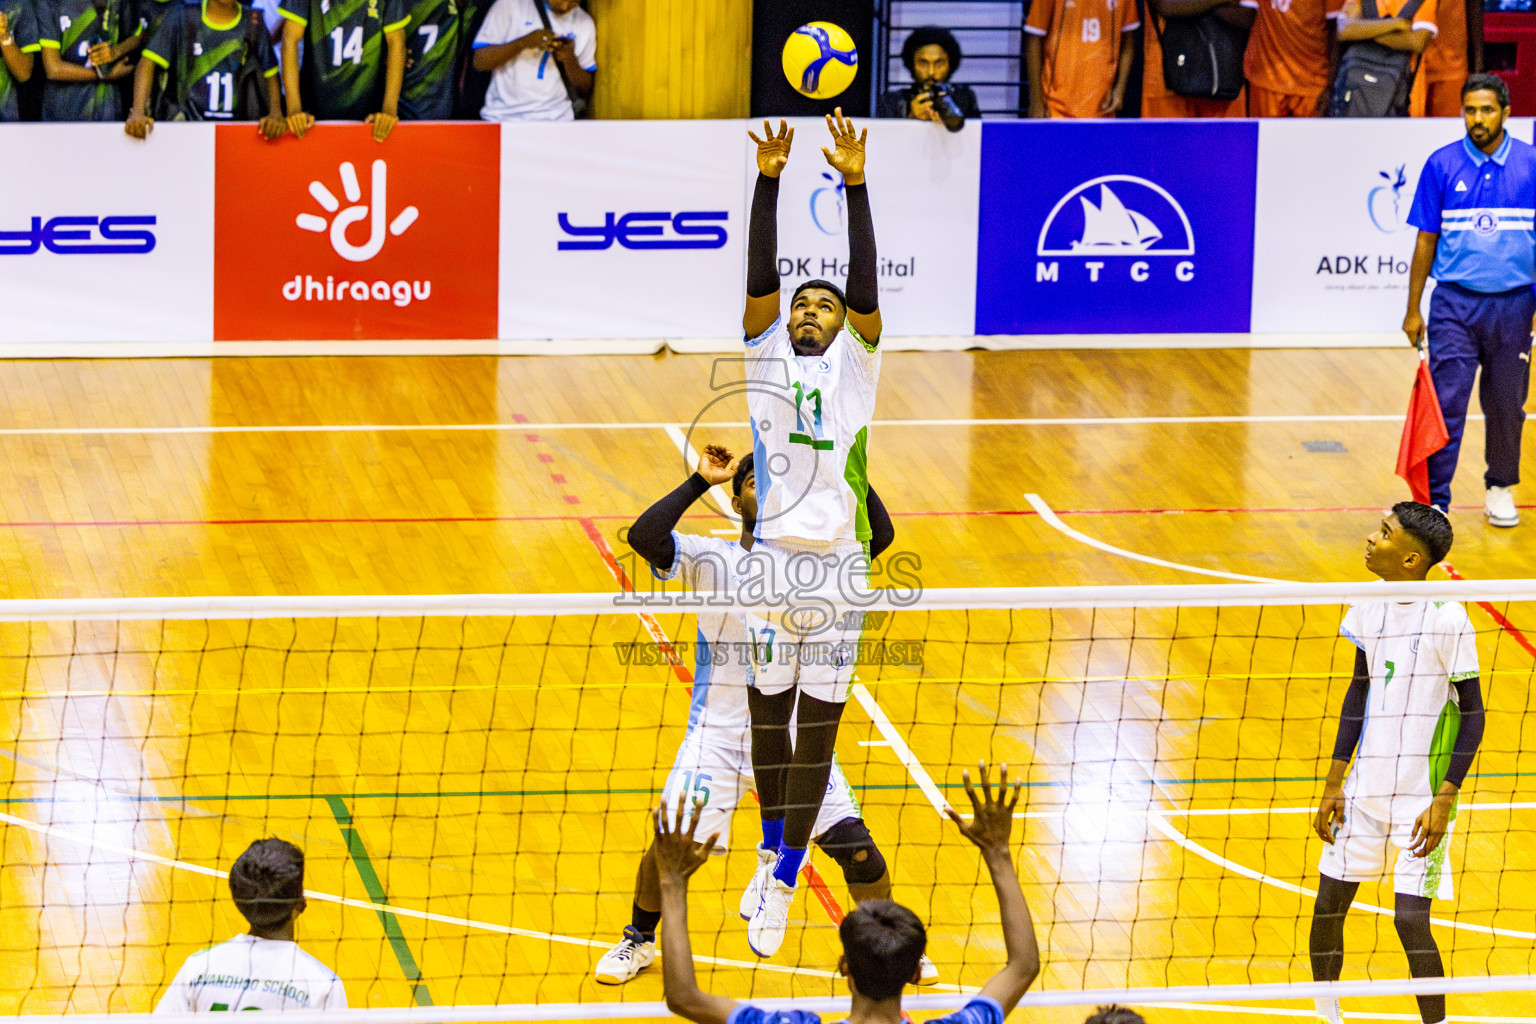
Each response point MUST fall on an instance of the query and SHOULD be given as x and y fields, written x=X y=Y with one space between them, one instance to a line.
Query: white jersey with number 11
x=810 y=431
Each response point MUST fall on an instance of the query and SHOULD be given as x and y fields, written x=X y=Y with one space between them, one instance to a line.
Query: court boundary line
x=377 y=908
x=1049 y=517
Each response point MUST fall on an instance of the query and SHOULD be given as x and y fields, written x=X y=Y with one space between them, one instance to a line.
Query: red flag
x=1423 y=434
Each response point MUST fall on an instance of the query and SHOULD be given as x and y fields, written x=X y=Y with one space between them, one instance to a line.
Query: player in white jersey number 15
x=810 y=400
x=713 y=768
x=1412 y=721
x=263 y=969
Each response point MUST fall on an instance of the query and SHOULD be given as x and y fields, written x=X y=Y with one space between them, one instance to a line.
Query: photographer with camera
x=931 y=55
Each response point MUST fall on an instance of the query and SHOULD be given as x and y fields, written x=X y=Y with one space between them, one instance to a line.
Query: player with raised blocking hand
x=713 y=766
x=883 y=942
x=1416 y=685
x=811 y=399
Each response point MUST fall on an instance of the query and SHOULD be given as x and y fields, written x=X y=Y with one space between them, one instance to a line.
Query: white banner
x=104 y=238
x=1332 y=243
x=923 y=195
x=622 y=229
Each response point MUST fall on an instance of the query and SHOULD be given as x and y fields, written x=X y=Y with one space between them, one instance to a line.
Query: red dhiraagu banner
x=335 y=236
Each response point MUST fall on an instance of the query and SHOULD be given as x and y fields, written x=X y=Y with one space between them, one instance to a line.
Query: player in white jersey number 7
x=811 y=396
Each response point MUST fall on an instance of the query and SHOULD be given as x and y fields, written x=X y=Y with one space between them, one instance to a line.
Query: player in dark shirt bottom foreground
x=882 y=941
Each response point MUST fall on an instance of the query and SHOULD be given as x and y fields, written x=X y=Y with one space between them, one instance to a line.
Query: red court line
x=573 y=499
x=1495 y=614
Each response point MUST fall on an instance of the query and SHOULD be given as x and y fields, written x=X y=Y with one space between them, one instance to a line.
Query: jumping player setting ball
x=713 y=767
x=1412 y=720
x=811 y=401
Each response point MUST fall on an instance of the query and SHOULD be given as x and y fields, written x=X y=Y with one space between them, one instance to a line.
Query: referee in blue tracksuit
x=1474 y=209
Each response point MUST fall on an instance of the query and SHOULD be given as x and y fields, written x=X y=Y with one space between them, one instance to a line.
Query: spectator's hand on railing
x=139 y=125
x=272 y=126
x=383 y=124
x=773 y=150
x=300 y=122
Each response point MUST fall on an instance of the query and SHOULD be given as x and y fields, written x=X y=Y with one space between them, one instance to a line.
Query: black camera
x=940 y=95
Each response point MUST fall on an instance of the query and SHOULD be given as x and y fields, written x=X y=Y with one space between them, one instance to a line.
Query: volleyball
x=820 y=60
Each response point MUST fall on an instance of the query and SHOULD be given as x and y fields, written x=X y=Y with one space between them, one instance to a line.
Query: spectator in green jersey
x=434 y=55
x=353 y=66
x=85 y=50
x=18 y=42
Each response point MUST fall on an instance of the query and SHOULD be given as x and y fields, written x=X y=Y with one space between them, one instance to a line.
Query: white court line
x=691 y=457
x=1353 y=1014
x=388 y=908
x=900 y=749
x=1054 y=521
x=364 y=428
x=1159 y=823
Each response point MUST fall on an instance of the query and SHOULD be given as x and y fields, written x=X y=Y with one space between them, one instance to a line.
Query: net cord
x=662 y=602
x=1286 y=991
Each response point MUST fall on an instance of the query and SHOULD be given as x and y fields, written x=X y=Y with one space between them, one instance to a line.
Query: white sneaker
x=754 y=892
x=928 y=974
x=769 y=922
x=1499 y=507
x=1328 y=1011
x=631 y=956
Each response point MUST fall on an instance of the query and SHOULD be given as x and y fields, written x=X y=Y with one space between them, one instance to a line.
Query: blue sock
x=788 y=867
x=773 y=833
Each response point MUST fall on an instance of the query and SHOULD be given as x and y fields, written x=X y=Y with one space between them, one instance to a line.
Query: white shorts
x=1362 y=845
x=811 y=645
x=719 y=777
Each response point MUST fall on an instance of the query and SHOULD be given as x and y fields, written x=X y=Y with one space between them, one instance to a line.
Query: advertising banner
x=622 y=229
x=335 y=236
x=922 y=197
x=1332 y=242
x=1112 y=226
x=104 y=238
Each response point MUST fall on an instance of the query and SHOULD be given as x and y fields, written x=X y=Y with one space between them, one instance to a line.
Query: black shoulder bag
x=1202 y=55
x=1374 y=80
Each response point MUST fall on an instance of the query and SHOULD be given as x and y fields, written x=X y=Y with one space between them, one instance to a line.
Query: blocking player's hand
x=678 y=854
x=848 y=158
x=1413 y=326
x=717 y=465
x=1430 y=827
x=991 y=820
x=383 y=124
x=773 y=150
x=300 y=123
x=1330 y=813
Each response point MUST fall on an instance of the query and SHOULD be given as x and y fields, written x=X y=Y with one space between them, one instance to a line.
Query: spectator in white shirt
x=527 y=59
x=263 y=969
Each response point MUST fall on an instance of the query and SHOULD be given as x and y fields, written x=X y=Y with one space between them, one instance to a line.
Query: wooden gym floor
x=488 y=779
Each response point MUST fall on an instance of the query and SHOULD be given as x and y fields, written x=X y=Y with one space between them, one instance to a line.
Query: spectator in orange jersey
x=1437 y=89
x=1291 y=56
x=1078 y=54
x=1157 y=100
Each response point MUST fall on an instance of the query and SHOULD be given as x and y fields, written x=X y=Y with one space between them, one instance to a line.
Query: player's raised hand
x=678 y=854
x=773 y=150
x=992 y=820
x=848 y=158
x=717 y=465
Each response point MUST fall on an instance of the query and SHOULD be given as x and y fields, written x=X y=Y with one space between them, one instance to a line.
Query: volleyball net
x=470 y=778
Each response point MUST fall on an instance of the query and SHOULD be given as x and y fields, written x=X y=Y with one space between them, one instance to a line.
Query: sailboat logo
x=1117 y=215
